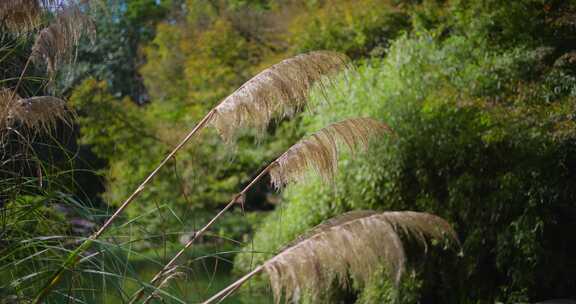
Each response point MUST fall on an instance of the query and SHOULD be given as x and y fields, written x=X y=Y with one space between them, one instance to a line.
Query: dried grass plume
x=7 y=100
x=352 y=244
x=320 y=150
x=54 y=44
x=21 y=16
x=40 y=113
x=280 y=90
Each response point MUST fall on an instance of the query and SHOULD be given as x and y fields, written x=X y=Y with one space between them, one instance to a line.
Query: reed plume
x=320 y=151
x=39 y=113
x=280 y=90
x=7 y=100
x=21 y=16
x=349 y=245
x=54 y=43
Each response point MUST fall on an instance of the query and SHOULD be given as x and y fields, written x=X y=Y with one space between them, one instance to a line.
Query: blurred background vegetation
x=481 y=95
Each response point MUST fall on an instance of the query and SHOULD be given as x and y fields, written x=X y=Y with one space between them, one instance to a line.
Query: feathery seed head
x=54 y=43
x=280 y=90
x=40 y=113
x=7 y=99
x=320 y=151
x=20 y=16
x=351 y=244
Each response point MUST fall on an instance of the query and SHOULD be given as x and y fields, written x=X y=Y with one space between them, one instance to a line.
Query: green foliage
x=484 y=138
x=379 y=290
x=109 y=125
x=114 y=56
x=133 y=139
x=199 y=66
x=357 y=28
x=481 y=95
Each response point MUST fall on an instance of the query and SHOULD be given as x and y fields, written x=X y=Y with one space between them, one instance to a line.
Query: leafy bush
x=484 y=138
x=357 y=28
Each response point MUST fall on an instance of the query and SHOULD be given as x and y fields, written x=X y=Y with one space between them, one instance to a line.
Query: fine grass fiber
x=320 y=150
x=54 y=43
x=352 y=245
x=280 y=90
x=37 y=114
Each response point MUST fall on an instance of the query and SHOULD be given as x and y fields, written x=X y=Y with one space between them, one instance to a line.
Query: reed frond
x=352 y=244
x=7 y=100
x=54 y=43
x=20 y=16
x=280 y=90
x=40 y=113
x=320 y=150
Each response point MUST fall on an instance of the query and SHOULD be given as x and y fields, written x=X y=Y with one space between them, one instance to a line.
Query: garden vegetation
x=334 y=151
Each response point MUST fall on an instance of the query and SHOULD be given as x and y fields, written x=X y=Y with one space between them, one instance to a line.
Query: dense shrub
x=357 y=28
x=485 y=138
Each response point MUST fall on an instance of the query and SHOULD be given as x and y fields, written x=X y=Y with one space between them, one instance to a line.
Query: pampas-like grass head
x=352 y=244
x=320 y=151
x=279 y=90
x=7 y=100
x=54 y=43
x=169 y=275
x=20 y=16
x=40 y=113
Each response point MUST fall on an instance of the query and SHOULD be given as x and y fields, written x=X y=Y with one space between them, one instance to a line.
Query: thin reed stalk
x=237 y=199
x=14 y=92
x=234 y=286
x=74 y=257
x=300 y=75
x=319 y=151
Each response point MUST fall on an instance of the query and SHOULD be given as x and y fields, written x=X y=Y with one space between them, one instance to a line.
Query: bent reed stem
x=14 y=92
x=236 y=199
x=234 y=286
x=73 y=257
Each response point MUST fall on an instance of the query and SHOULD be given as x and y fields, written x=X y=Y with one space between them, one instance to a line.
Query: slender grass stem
x=233 y=287
x=73 y=258
x=172 y=262
x=14 y=92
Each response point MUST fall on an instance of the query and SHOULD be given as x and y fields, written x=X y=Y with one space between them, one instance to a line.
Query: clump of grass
x=22 y=16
